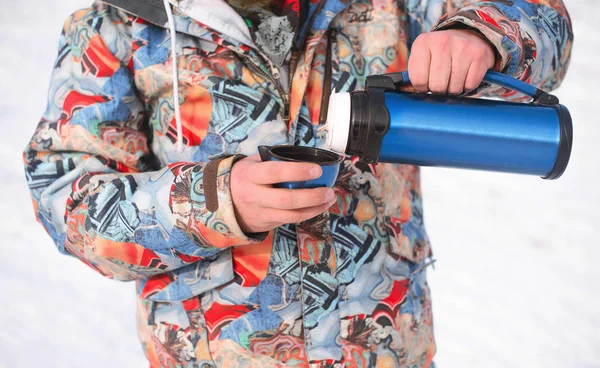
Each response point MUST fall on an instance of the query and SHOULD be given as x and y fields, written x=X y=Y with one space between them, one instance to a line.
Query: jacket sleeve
x=532 y=38
x=95 y=185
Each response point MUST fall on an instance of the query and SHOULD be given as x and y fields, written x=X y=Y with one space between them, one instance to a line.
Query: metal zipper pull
x=274 y=70
x=286 y=108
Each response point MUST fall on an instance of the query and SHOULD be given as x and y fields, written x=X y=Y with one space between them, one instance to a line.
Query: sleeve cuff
x=219 y=200
x=212 y=229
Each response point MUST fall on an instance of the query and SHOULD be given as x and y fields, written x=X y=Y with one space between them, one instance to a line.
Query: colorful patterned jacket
x=109 y=185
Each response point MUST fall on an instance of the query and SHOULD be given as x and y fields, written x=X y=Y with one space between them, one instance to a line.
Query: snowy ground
x=516 y=282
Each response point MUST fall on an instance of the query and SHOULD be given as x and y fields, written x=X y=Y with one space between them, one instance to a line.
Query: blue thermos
x=383 y=124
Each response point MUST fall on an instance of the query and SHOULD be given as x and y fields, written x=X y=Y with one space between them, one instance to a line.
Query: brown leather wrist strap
x=209 y=181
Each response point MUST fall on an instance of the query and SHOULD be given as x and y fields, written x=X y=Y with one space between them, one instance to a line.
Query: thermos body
x=382 y=124
x=429 y=130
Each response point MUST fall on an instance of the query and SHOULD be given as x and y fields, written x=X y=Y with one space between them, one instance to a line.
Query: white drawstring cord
x=174 y=76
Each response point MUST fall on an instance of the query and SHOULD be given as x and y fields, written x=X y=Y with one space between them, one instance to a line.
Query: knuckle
x=471 y=85
x=480 y=53
x=463 y=48
x=455 y=89
x=422 y=38
x=319 y=198
x=273 y=173
x=443 y=40
x=436 y=87
x=418 y=81
x=285 y=201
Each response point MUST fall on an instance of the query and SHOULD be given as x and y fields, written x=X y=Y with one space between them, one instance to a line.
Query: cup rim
x=339 y=158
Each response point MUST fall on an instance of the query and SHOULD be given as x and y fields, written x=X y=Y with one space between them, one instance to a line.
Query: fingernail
x=329 y=195
x=316 y=172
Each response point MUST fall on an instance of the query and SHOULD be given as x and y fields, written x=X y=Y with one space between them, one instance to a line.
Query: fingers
x=439 y=72
x=458 y=77
x=272 y=217
x=483 y=60
x=272 y=172
x=289 y=199
x=450 y=61
x=441 y=62
x=299 y=215
x=419 y=64
x=475 y=76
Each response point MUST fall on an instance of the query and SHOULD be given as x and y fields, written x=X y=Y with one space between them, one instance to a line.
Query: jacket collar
x=152 y=11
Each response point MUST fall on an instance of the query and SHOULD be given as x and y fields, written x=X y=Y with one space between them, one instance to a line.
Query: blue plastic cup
x=328 y=160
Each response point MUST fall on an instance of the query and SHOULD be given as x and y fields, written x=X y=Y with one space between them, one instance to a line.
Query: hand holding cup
x=262 y=194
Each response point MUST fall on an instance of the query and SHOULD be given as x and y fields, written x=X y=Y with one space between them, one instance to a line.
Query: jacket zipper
x=273 y=78
x=275 y=74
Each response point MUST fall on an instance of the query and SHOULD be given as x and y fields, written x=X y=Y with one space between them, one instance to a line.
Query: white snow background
x=517 y=278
